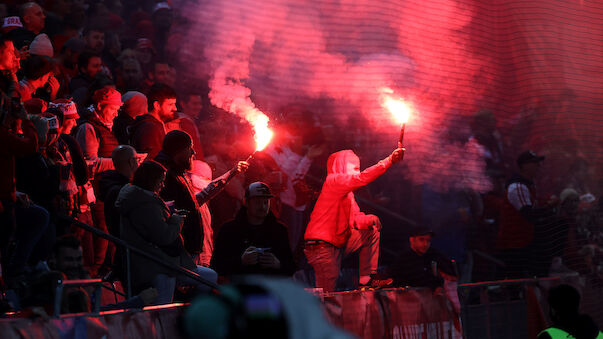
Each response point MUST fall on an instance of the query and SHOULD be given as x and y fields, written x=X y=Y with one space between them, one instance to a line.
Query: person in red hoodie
x=337 y=226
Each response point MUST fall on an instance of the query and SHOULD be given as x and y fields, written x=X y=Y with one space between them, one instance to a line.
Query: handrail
x=136 y=250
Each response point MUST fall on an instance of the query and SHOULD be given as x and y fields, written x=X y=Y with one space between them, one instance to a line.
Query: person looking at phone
x=254 y=242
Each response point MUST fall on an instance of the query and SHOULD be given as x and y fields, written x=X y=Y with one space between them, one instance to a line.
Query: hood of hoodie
x=338 y=161
x=131 y=197
x=107 y=180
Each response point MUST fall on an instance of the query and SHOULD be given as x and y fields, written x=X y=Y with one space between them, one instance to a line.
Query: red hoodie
x=336 y=209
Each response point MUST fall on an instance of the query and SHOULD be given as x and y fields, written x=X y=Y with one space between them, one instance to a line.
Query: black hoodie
x=146 y=135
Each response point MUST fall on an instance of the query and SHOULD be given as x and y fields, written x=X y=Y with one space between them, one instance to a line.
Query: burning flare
x=399 y=109
x=261 y=133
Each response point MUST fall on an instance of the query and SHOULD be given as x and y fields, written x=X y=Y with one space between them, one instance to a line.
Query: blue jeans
x=326 y=258
x=166 y=285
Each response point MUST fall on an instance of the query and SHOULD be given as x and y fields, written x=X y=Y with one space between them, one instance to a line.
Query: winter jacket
x=179 y=189
x=147 y=134
x=146 y=224
x=336 y=210
x=108 y=186
x=97 y=143
x=121 y=123
x=236 y=236
x=37 y=177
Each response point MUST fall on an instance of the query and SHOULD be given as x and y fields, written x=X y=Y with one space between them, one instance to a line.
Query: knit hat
x=41 y=45
x=35 y=106
x=108 y=96
x=175 y=141
x=75 y=44
x=67 y=107
x=135 y=104
x=161 y=6
x=568 y=193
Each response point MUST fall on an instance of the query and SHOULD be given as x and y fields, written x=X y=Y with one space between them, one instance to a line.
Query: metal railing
x=129 y=249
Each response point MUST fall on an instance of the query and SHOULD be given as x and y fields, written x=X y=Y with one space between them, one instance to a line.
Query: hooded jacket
x=146 y=224
x=147 y=134
x=336 y=210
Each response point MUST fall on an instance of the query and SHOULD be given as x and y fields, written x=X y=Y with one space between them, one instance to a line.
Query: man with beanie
x=135 y=104
x=94 y=133
x=148 y=130
x=97 y=141
x=177 y=156
x=42 y=46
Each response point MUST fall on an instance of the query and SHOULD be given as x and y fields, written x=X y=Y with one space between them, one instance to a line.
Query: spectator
x=147 y=224
x=67 y=62
x=337 y=227
x=15 y=207
x=161 y=73
x=94 y=37
x=32 y=17
x=97 y=141
x=564 y=301
x=135 y=104
x=421 y=265
x=89 y=65
x=148 y=130
x=42 y=46
x=177 y=155
x=38 y=71
x=186 y=121
x=125 y=160
x=131 y=75
x=67 y=155
x=94 y=133
x=517 y=217
x=255 y=242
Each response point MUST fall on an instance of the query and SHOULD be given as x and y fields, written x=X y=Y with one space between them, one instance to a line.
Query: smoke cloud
x=274 y=53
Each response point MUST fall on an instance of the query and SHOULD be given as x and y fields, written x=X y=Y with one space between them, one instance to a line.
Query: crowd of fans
x=96 y=127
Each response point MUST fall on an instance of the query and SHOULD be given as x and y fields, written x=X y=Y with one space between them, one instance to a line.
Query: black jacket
x=121 y=123
x=109 y=183
x=146 y=135
x=411 y=269
x=236 y=236
x=177 y=188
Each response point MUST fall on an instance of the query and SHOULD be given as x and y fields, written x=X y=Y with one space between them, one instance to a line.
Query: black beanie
x=175 y=141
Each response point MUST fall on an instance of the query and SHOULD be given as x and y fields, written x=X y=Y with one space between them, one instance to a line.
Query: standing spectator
x=94 y=37
x=177 y=155
x=94 y=133
x=135 y=104
x=38 y=71
x=255 y=242
x=67 y=62
x=148 y=130
x=337 y=227
x=32 y=17
x=517 y=216
x=89 y=65
x=131 y=75
x=16 y=210
x=97 y=141
x=161 y=73
x=147 y=224
x=186 y=121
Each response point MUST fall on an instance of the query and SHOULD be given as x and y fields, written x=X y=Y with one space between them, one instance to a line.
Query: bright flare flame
x=399 y=109
x=261 y=133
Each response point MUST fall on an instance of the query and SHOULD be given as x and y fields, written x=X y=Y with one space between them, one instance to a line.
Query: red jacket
x=14 y=145
x=336 y=209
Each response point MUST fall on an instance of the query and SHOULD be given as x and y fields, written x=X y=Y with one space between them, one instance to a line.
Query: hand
x=397 y=155
x=447 y=277
x=148 y=296
x=250 y=256
x=241 y=167
x=315 y=151
x=23 y=199
x=374 y=222
x=269 y=260
x=178 y=219
x=54 y=86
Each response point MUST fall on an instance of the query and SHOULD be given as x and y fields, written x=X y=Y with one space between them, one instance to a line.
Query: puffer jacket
x=336 y=209
x=147 y=225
